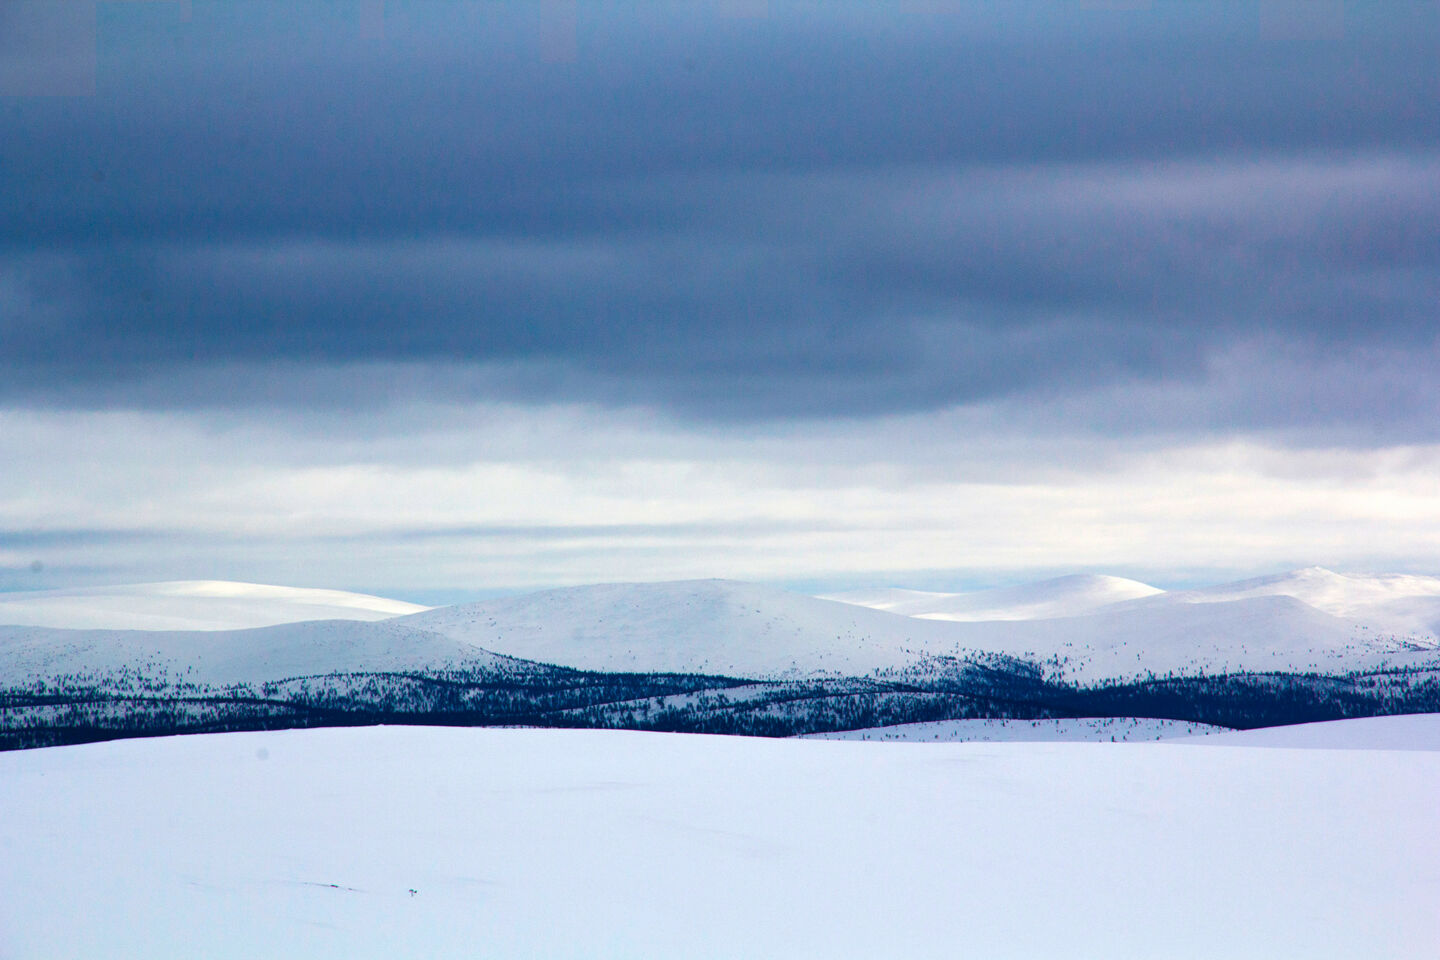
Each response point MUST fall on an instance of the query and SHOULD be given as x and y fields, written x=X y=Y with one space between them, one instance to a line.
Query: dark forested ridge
x=78 y=709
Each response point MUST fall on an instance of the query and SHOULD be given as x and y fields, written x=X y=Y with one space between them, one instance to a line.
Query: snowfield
x=442 y=842
x=191 y=605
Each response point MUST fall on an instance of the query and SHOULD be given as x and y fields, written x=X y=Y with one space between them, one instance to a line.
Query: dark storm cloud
x=827 y=210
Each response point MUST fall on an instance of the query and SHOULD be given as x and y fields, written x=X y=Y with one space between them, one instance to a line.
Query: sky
x=439 y=299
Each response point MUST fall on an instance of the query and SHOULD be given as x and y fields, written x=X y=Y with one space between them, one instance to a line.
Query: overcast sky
x=432 y=299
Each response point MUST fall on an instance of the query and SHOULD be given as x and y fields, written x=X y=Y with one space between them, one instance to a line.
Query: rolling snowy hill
x=222 y=657
x=734 y=629
x=722 y=627
x=1400 y=606
x=191 y=605
x=1061 y=597
x=747 y=630
x=1397 y=605
x=432 y=842
x=1275 y=633
x=1339 y=594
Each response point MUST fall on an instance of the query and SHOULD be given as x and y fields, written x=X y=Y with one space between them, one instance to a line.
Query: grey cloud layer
x=823 y=211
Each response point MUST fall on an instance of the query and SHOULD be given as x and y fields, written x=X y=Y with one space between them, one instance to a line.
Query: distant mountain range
x=1403 y=603
x=719 y=655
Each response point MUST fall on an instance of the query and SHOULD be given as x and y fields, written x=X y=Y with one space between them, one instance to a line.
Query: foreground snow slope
x=1061 y=597
x=409 y=842
x=191 y=605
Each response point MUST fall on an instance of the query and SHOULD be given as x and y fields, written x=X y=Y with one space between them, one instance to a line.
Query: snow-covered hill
x=433 y=842
x=722 y=627
x=1256 y=634
x=230 y=656
x=1400 y=605
x=891 y=599
x=747 y=630
x=1343 y=595
x=1395 y=605
x=1061 y=597
x=191 y=605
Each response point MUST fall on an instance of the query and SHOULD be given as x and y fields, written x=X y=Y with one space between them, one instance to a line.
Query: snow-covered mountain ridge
x=719 y=656
x=748 y=630
x=1309 y=621
x=1335 y=593
x=1405 y=607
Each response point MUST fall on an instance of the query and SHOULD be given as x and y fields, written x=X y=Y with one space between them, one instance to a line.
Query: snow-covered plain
x=191 y=605
x=440 y=842
x=1081 y=729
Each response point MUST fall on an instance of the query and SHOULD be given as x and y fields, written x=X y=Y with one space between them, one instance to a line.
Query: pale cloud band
x=483 y=499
